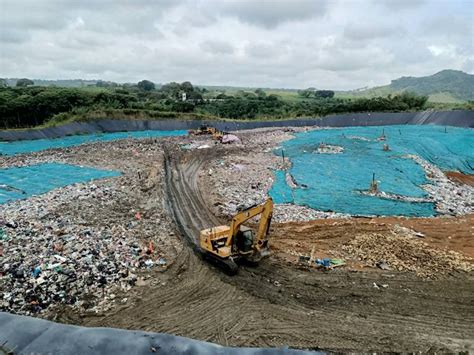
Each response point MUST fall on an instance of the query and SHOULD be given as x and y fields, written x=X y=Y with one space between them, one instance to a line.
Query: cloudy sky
x=333 y=44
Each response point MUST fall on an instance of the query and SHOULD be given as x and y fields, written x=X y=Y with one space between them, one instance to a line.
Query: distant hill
x=68 y=83
x=448 y=86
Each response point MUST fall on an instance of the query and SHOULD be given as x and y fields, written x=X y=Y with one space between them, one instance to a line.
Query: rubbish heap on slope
x=405 y=252
x=450 y=198
x=84 y=243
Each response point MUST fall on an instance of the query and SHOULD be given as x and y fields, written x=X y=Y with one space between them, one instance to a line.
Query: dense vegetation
x=27 y=106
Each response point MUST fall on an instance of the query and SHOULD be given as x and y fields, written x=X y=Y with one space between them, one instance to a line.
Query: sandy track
x=277 y=304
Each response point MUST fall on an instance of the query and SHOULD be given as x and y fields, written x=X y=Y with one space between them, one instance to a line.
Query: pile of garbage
x=450 y=198
x=52 y=260
x=202 y=144
x=405 y=252
x=240 y=181
x=329 y=149
x=87 y=243
x=294 y=213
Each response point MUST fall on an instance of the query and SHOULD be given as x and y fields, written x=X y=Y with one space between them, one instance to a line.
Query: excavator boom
x=266 y=210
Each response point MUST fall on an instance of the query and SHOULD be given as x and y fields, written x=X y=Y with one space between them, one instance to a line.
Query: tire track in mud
x=337 y=310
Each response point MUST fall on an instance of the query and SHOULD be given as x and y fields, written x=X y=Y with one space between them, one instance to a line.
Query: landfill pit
x=107 y=253
x=86 y=244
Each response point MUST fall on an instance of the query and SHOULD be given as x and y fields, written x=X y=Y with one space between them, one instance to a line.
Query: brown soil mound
x=460 y=177
x=406 y=253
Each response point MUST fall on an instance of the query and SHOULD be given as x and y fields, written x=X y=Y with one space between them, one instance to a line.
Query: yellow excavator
x=208 y=130
x=225 y=245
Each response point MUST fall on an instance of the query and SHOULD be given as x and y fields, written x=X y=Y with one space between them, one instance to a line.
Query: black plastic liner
x=27 y=335
x=447 y=118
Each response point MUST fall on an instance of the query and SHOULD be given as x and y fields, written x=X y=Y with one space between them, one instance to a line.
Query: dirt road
x=277 y=303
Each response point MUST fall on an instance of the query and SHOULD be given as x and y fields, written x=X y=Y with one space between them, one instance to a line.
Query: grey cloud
x=363 y=32
x=449 y=26
x=217 y=47
x=468 y=65
x=400 y=4
x=270 y=14
x=102 y=16
x=264 y=50
x=13 y=36
x=259 y=43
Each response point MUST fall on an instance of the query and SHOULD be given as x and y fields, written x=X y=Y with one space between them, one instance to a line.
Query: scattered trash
x=3 y=234
x=329 y=149
x=36 y=271
x=161 y=262
x=323 y=262
x=329 y=263
x=337 y=262
x=12 y=224
x=383 y=265
x=149 y=263
x=230 y=138
x=304 y=259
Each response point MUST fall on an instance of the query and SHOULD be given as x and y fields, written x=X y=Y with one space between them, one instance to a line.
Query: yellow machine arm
x=266 y=210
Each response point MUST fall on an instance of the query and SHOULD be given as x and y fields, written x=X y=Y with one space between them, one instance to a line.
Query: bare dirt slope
x=278 y=303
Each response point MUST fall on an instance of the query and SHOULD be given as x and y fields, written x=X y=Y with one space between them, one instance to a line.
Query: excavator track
x=229 y=266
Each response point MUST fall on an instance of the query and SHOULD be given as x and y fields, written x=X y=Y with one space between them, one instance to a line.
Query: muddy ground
x=281 y=302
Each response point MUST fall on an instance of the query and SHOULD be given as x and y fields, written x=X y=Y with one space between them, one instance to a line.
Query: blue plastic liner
x=21 y=182
x=457 y=118
x=28 y=146
x=334 y=181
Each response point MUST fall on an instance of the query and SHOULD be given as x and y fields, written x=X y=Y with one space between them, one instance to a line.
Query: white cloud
x=336 y=44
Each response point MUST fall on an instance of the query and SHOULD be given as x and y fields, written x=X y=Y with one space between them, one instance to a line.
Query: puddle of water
x=18 y=147
x=21 y=182
x=334 y=180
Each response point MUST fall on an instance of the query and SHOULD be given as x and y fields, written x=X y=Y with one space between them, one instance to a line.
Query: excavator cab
x=244 y=240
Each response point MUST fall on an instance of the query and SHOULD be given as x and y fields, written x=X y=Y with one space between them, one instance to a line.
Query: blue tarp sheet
x=22 y=182
x=334 y=181
x=28 y=146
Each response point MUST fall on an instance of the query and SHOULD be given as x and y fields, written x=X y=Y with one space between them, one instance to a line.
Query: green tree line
x=29 y=106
